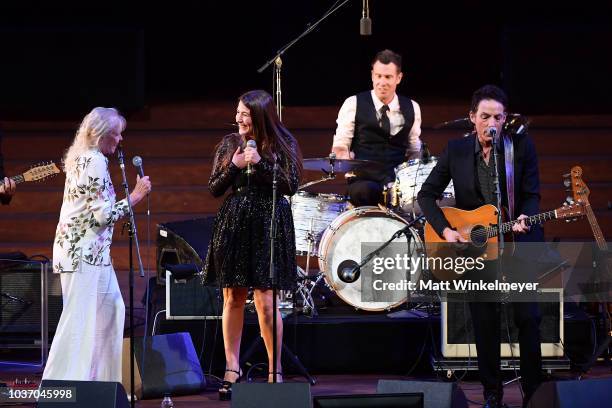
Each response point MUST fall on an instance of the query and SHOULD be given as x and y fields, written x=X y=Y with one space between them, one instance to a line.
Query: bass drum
x=341 y=246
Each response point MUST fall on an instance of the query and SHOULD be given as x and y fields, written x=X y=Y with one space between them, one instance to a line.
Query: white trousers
x=88 y=341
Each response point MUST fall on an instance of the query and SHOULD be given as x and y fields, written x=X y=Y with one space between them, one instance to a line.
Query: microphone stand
x=406 y=230
x=274 y=280
x=131 y=224
x=500 y=235
x=276 y=59
x=273 y=277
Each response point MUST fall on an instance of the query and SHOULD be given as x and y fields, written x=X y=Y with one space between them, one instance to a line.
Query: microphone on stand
x=137 y=161
x=493 y=133
x=365 y=24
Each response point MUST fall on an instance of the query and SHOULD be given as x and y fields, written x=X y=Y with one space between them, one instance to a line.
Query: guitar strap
x=509 y=162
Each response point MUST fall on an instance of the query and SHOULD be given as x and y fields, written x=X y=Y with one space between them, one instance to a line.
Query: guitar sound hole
x=478 y=236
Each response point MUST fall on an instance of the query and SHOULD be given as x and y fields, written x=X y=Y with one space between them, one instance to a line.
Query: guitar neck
x=599 y=238
x=532 y=220
x=17 y=179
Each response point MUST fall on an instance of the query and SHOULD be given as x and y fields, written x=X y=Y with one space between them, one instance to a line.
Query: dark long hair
x=272 y=137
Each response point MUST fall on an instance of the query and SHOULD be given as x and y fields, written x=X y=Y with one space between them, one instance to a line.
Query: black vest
x=371 y=142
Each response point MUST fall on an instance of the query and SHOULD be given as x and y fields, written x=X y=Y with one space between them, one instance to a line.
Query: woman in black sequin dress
x=239 y=252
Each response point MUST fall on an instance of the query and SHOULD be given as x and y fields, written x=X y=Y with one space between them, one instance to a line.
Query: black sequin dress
x=239 y=251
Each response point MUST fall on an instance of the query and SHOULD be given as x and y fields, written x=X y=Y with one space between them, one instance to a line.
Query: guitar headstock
x=570 y=212
x=41 y=172
x=576 y=186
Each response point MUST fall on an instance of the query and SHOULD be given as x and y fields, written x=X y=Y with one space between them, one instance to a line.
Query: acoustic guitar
x=479 y=228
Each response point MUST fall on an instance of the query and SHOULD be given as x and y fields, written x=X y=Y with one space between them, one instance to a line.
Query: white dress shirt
x=346 y=122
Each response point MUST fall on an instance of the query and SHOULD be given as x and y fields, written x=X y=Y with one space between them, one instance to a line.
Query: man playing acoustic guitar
x=469 y=163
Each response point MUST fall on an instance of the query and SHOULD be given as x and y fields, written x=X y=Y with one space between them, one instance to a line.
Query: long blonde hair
x=95 y=125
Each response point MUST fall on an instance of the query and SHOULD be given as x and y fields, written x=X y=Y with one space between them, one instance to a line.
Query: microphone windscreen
x=137 y=161
x=252 y=143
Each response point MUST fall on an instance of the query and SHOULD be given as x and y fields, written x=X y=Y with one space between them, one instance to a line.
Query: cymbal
x=340 y=165
x=462 y=123
x=466 y=123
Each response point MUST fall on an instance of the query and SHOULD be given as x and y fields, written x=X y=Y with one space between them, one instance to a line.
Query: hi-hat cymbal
x=340 y=165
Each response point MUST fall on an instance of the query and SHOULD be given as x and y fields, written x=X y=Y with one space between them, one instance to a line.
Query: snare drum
x=312 y=214
x=409 y=177
x=341 y=245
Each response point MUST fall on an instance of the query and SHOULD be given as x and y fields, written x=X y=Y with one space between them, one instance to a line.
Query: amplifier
x=189 y=299
x=458 y=334
x=30 y=304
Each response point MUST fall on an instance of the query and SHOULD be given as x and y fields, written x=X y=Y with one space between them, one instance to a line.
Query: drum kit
x=332 y=230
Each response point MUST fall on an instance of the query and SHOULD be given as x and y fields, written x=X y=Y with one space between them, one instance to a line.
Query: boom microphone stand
x=276 y=59
x=133 y=237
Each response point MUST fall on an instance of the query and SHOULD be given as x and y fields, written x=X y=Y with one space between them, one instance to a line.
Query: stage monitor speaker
x=399 y=400
x=171 y=365
x=281 y=395
x=30 y=304
x=182 y=242
x=85 y=394
x=189 y=299
x=458 y=334
x=436 y=394
x=570 y=394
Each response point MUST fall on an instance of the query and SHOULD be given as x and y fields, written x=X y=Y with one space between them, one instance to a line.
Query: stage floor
x=326 y=385
x=347 y=353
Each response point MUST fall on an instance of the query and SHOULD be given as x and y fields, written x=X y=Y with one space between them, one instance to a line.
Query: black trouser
x=487 y=318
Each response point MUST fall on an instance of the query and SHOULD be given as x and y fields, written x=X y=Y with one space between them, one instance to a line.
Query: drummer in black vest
x=378 y=125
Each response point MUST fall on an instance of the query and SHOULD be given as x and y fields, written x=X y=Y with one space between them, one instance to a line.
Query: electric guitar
x=479 y=228
x=37 y=173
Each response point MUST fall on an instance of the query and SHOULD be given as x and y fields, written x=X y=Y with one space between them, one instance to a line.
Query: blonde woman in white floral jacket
x=88 y=341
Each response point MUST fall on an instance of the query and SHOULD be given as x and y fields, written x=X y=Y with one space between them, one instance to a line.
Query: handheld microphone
x=365 y=24
x=253 y=144
x=492 y=132
x=137 y=161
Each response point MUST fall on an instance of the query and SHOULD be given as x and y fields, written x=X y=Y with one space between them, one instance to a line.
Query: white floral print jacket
x=89 y=212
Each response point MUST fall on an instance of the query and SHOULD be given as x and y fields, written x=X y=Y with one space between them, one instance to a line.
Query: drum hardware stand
x=305 y=285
